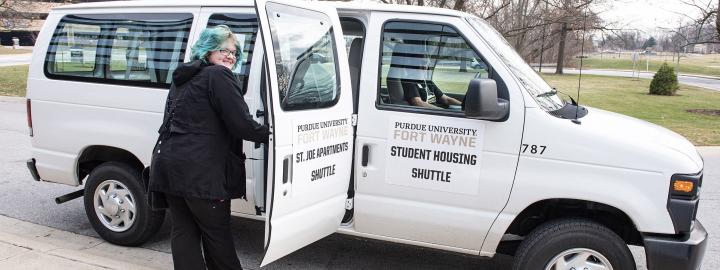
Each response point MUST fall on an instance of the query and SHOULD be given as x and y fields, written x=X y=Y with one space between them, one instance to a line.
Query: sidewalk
x=15 y=59
x=24 y=245
x=12 y=99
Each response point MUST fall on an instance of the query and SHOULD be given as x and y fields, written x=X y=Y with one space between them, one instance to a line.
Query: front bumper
x=676 y=252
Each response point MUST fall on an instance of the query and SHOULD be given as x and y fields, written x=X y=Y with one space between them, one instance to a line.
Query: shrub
x=664 y=82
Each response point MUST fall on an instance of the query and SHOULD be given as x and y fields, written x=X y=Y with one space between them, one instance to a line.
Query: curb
x=12 y=99
x=33 y=246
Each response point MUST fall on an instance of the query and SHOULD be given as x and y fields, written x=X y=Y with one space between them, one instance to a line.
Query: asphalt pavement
x=32 y=202
x=15 y=59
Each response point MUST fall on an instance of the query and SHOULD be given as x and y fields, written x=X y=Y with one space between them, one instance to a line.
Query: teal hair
x=212 y=39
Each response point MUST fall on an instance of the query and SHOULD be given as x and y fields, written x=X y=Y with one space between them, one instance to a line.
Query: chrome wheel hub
x=114 y=205
x=579 y=259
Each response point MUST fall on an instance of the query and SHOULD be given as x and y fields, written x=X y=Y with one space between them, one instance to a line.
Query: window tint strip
x=426 y=60
x=133 y=49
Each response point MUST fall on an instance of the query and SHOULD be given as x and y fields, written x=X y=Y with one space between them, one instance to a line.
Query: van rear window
x=128 y=49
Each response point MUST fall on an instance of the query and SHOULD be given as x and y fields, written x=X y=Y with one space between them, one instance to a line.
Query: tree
x=664 y=82
x=575 y=17
x=19 y=14
x=650 y=42
x=703 y=29
x=535 y=28
x=12 y=15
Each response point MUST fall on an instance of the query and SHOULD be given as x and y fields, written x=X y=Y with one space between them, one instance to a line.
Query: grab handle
x=365 y=155
x=287 y=170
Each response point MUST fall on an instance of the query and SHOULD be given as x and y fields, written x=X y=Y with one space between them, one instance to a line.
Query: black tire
x=144 y=222
x=555 y=237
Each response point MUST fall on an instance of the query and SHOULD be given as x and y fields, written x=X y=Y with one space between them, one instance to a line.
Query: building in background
x=23 y=19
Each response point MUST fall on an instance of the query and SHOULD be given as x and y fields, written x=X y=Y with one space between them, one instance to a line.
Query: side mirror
x=482 y=102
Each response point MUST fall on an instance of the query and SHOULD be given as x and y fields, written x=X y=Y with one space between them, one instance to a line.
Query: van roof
x=348 y=6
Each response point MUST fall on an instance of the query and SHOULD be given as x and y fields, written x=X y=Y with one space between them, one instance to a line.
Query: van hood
x=611 y=139
x=636 y=131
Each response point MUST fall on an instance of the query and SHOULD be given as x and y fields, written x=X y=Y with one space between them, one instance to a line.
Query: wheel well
x=95 y=155
x=551 y=209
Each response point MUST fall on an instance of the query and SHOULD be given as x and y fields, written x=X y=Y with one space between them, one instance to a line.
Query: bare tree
x=703 y=29
x=12 y=15
x=535 y=28
x=574 y=16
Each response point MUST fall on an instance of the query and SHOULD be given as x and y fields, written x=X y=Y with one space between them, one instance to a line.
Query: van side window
x=129 y=49
x=426 y=65
x=305 y=60
x=245 y=27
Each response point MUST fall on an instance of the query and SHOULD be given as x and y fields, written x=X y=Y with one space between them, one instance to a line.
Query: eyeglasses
x=227 y=52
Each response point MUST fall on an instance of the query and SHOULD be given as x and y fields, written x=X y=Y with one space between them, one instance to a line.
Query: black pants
x=200 y=223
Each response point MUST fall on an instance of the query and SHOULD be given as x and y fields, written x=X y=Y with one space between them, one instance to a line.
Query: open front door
x=310 y=97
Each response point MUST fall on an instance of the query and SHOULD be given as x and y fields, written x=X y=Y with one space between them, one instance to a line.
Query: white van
x=407 y=124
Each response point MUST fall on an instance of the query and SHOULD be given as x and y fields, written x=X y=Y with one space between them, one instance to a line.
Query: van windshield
x=545 y=95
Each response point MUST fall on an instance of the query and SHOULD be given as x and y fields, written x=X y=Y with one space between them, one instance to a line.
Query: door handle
x=259 y=114
x=365 y=155
x=287 y=170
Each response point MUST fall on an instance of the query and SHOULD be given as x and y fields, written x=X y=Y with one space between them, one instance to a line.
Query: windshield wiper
x=548 y=93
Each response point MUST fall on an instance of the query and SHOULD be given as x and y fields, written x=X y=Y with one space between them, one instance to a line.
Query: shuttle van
x=491 y=161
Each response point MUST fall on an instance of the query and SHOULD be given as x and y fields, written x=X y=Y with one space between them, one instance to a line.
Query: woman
x=198 y=161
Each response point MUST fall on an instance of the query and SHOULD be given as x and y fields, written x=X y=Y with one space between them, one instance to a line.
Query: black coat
x=199 y=151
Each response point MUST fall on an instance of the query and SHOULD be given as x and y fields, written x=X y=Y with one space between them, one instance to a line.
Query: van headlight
x=683 y=186
x=683 y=200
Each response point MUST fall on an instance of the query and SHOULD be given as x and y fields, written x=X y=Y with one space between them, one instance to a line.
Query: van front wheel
x=573 y=244
x=116 y=207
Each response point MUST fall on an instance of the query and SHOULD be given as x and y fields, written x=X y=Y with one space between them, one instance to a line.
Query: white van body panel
x=86 y=114
x=310 y=149
x=609 y=158
x=460 y=218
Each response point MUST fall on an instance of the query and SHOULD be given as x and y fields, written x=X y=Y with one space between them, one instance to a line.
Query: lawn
x=708 y=64
x=13 y=80
x=629 y=96
x=9 y=50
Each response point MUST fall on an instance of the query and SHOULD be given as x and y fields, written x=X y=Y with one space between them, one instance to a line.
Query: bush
x=664 y=82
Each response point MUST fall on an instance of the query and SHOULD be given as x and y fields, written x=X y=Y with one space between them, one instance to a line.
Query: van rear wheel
x=573 y=244
x=116 y=207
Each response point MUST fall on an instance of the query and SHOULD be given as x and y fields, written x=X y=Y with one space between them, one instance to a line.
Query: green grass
x=630 y=97
x=13 y=80
x=689 y=64
x=10 y=50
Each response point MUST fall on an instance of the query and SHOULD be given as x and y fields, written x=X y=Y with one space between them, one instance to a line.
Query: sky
x=648 y=15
